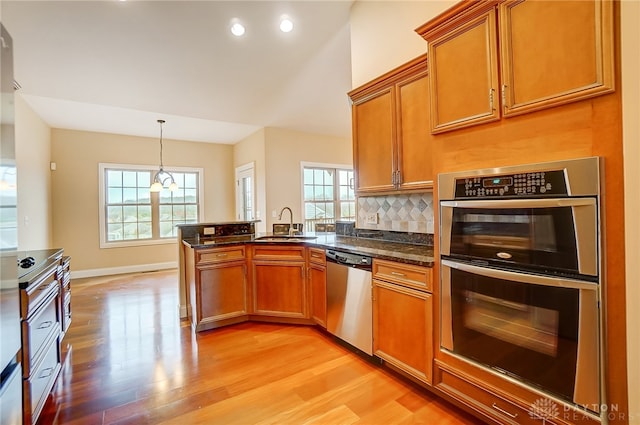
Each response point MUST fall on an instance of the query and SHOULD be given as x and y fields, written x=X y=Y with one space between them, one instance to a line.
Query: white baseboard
x=79 y=274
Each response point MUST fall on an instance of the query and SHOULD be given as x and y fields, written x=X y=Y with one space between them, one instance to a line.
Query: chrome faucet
x=291 y=230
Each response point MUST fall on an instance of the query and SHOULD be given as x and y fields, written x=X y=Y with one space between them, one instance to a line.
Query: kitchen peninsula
x=229 y=274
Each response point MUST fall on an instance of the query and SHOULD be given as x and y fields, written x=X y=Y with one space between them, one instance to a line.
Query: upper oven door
x=548 y=235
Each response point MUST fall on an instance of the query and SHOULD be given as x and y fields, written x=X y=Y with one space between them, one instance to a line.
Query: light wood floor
x=132 y=361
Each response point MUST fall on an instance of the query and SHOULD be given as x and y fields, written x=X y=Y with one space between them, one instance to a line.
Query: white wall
x=33 y=153
x=383 y=35
x=285 y=150
x=252 y=149
x=75 y=191
x=630 y=17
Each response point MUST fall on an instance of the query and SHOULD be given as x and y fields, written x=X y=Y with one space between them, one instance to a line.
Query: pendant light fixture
x=162 y=177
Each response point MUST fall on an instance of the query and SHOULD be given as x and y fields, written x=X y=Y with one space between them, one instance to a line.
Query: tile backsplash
x=401 y=213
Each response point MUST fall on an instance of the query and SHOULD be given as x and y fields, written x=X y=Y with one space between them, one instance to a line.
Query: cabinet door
x=223 y=293
x=374 y=141
x=414 y=146
x=402 y=327
x=555 y=52
x=463 y=73
x=279 y=289
x=318 y=289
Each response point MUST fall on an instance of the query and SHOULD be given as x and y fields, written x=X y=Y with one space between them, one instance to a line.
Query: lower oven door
x=540 y=331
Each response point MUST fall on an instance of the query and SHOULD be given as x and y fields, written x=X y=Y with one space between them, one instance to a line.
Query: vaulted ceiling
x=118 y=66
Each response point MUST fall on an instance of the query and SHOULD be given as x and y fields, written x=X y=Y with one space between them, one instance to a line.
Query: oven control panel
x=531 y=184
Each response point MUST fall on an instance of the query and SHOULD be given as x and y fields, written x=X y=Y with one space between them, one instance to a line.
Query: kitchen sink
x=284 y=238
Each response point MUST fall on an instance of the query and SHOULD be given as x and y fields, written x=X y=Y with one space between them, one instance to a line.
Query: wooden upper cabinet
x=391 y=139
x=555 y=52
x=414 y=147
x=374 y=141
x=551 y=53
x=463 y=69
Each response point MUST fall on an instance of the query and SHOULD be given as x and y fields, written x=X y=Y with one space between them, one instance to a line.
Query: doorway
x=245 y=192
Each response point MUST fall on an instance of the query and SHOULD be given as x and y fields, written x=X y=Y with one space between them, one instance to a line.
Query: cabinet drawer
x=40 y=330
x=277 y=252
x=482 y=400
x=403 y=274
x=38 y=290
x=37 y=387
x=317 y=256
x=208 y=256
x=66 y=312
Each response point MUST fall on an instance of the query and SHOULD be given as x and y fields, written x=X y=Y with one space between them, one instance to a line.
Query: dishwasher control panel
x=349 y=259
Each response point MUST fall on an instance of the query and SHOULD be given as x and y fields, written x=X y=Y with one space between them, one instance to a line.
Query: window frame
x=336 y=183
x=104 y=166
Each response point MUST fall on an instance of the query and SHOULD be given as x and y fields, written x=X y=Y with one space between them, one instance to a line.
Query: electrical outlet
x=371 y=218
x=209 y=230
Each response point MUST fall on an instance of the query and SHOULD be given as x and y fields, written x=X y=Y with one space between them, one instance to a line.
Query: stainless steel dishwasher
x=349 y=299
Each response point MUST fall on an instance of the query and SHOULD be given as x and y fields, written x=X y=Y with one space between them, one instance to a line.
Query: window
x=328 y=195
x=132 y=215
x=8 y=208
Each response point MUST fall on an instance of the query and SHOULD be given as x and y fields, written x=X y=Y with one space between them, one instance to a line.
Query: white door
x=245 y=192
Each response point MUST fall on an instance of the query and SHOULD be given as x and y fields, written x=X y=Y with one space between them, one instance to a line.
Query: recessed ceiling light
x=237 y=29
x=286 y=24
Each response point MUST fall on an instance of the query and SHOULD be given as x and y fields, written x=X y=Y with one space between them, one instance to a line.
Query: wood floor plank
x=131 y=360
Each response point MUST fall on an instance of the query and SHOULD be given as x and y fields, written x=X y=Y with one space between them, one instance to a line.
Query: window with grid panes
x=328 y=195
x=132 y=213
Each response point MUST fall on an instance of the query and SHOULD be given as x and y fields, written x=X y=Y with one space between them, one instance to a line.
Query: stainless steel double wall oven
x=521 y=275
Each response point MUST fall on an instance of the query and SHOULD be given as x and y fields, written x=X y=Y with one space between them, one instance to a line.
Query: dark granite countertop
x=41 y=259
x=421 y=255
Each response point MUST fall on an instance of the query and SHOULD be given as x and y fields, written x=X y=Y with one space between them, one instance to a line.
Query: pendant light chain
x=161 y=122
x=162 y=176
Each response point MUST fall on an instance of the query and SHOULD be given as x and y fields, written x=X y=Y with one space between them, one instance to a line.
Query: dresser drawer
x=39 y=331
x=38 y=290
x=217 y=255
x=66 y=312
x=38 y=386
x=403 y=274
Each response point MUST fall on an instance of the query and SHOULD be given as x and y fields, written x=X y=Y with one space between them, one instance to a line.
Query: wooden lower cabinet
x=279 y=282
x=317 y=271
x=500 y=406
x=402 y=318
x=218 y=286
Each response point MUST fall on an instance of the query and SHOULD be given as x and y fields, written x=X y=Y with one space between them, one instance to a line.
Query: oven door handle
x=521 y=203
x=520 y=277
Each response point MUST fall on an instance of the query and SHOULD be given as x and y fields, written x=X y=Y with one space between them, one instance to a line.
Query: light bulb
x=156 y=187
x=173 y=187
x=237 y=29
x=286 y=25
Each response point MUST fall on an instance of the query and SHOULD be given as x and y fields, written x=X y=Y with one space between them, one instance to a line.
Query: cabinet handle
x=46 y=373
x=491 y=90
x=504 y=95
x=511 y=415
x=315 y=255
x=352 y=183
x=45 y=325
x=398 y=274
x=45 y=287
x=393 y=178
x=221 y=255
x=398 y=179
